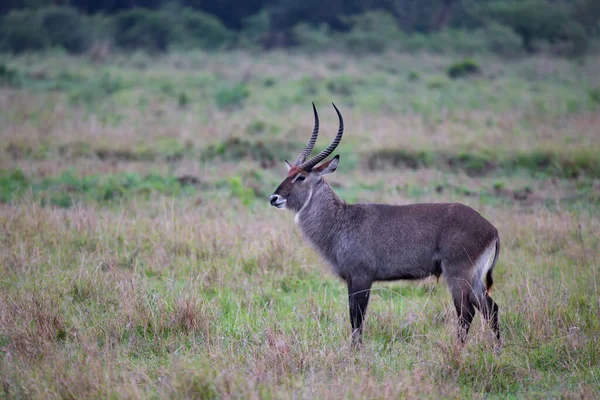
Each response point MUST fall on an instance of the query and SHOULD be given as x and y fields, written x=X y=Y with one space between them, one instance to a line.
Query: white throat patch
x=297 y=216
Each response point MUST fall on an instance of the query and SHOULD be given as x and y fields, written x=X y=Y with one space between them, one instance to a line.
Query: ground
x=140 y=257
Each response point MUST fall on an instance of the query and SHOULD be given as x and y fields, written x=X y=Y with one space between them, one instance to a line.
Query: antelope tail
x=484 y=267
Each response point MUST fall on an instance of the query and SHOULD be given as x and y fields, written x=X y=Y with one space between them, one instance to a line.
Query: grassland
x=139 y=257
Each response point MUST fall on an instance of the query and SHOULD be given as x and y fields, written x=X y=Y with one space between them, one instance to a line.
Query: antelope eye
x=300 y=178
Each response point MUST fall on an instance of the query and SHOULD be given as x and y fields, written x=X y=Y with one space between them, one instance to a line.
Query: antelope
x=365 y=243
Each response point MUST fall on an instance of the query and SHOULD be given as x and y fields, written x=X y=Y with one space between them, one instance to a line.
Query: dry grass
x=205 y=295
x=176 y=300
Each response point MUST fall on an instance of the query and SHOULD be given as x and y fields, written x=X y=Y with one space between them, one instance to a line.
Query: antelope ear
x=328 y=167
x=288 y=165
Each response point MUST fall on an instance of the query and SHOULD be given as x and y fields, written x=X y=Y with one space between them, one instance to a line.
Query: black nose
x=274 y=198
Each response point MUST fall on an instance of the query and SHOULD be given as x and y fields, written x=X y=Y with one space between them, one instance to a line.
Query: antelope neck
x=320 y=209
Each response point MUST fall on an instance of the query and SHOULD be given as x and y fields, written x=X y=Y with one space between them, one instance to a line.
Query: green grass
x=558 y=164
x=67 y=188
x=140 y=258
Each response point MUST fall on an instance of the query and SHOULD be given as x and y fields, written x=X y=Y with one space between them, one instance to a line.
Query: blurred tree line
x=500 y=26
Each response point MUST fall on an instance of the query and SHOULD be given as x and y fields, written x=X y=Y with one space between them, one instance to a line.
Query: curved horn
x=307 y=166
x=311 y=143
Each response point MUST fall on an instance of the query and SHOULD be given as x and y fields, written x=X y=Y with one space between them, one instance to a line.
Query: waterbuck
x=365 y=243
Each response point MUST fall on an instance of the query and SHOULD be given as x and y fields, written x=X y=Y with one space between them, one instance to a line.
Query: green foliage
x=240 y=190
x=183 y=99
x=538 y=20
x=371 y=32
x=66 y=188
x=157 y=31
x=492 y=38
x=9 y=76
x=560 y=165
x=437 y=83
x=500 y=39
x=587 y=13
x=204 y=31
x=22 y=31
x=139 y=28
x=235 y=149
x=232 y=97
x=463 y=69
x=313 y=38
x=341 y=85
x=413 y=76
x=594 y=94
x=97 y=90
x=45 y=27
x=11 y=184
x=195 y=29
x=258 y=127
x=66 y=28
x=500 y=26
x=254 y=29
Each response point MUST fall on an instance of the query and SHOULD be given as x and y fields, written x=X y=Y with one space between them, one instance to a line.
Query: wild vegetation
x=140 y=258
x=506 y=27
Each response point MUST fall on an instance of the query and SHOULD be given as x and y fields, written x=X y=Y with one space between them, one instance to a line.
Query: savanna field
x=140 y=257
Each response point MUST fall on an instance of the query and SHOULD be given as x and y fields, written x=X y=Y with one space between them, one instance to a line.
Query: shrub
x=138 y=28
x=9 y=76
x=341 y=85
x=413 y=76
x=203 y=30
x=232 y=97
x=456 y=41
x=500 y=39
x=594 y=94
x=535 y=20
x=66 y=28
x=493 y=38
x=463 y=68
x=156 y=31
x=313 y=38
x=183 y=100
x=45 y=27
x=371 y=32
x=97 y=90
x=22 y=31
x=436 y=83
x=254 y=30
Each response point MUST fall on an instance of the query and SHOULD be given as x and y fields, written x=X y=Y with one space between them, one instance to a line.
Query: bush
x=66 y=28
x=539 y=20
x=313 y=38
x=232 y=97
x=194 y=29
x=156 y=31
x=22 y=31
x=463 y=68
x=254 y=30
x=203 y=30
x=594 y=94
x=371 y=32
x=97 y=90
x=45 y=27
x=9 y=76
x=341 y=85
x=138 y=28
x=494 y=38
x=500 y=39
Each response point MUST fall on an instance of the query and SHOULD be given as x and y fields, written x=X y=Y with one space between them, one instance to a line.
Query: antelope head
x=297 y=188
